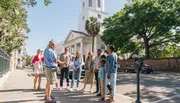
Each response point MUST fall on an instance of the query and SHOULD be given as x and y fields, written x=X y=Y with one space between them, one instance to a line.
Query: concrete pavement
x=18 y=89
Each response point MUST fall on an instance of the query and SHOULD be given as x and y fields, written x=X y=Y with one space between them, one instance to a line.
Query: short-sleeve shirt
x=50 y=57
x=102 y=73
x=65 y=58
x=36 y=59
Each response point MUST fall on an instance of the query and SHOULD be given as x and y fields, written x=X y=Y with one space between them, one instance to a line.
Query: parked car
x=145 y=69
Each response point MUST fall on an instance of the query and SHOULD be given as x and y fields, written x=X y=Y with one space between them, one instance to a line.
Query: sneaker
x=77 y=89
x=50 y=101
x=70 y=89
x=61 y=88
x=99 y=95
x=109 y=93
x=50 y=96
x=101 y=99
x=91 y=91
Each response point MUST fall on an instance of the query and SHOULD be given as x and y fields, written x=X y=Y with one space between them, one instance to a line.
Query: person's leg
x=78 y=75
x=73 y=77
x=35 y=80
x=102 y=89
x=85 y=79
x=52 y=79
x=113 y=85
x=67 y=76
x=97 y=82
x=47 y=83
x=39 y=81
x=62 y=77
x=50 y=86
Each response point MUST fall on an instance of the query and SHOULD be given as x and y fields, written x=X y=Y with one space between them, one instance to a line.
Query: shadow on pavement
x=76 y=97
x=154 y=86
x=22 y=90
x=23 y=101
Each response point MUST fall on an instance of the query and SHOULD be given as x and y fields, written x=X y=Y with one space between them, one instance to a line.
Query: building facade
x=21 y=53
x=60 y=48
x=79 y=40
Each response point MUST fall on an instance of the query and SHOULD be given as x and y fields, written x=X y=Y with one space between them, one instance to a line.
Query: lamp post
x=138 y=63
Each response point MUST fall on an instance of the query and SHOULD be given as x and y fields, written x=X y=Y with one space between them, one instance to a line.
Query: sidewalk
x=18 y=89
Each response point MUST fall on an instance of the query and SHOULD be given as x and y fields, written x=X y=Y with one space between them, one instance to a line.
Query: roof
x=79 y=32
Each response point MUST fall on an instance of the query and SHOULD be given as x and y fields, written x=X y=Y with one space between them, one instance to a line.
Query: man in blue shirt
x=111 y=71
x=50 y=61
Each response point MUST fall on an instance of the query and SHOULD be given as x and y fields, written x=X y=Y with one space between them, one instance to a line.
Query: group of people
x=102 y=69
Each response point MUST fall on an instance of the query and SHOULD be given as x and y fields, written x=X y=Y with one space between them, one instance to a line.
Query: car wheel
x=148 y=72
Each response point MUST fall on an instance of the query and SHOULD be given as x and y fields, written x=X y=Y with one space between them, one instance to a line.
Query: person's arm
x=74 y=63
x=53 y=58
x=103 y=73
x=58 y=62
x=79 y=64
x=33 y=60
x=111 y=67
x=94 y=64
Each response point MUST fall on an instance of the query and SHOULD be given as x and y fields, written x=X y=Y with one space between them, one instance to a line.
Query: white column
x=95 y=46
x=75 y=48
x=71 y=49
x=81 y=48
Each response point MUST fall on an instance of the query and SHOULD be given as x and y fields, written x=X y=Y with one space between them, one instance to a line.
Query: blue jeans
x=113 y=79
x=76 y=74
x=64 y=72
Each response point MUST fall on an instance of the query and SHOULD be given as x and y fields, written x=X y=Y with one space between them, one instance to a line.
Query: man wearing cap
x=50 y=61
x=65 y=57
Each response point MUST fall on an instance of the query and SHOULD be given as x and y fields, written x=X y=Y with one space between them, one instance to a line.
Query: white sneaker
x=77 y=89
x=61 y=88
x=70 y=89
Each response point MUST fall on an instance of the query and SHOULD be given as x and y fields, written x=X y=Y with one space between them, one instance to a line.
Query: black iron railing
x=4 y=62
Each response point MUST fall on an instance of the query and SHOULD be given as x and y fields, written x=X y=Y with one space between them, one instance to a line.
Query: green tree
x=152 y=22
x=29 y=59
x=13 y=21
x=166 y=50
x=92 y=27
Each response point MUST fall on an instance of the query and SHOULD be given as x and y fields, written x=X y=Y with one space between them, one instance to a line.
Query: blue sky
x=57 y=19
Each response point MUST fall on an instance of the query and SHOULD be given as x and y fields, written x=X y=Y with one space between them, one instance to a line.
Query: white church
x=79 y=40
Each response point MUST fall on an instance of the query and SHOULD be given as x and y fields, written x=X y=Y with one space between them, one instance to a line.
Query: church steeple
x=94 y=4
x=91 y=8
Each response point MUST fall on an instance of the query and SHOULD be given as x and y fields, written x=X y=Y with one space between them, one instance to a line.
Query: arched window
x=103 y=47
x=83 y=5
x=99 y=3
x=90 y=3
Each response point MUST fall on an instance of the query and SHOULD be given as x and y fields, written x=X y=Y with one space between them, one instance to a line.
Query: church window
x=103 y=47
x=99 y=3
x=83 y=5
x=83 y=18
x=99 y=16
x=90 y=3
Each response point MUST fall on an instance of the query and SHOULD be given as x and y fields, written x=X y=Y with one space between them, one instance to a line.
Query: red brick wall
x=165 y=64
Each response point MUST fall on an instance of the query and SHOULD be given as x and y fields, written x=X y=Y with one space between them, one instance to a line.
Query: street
x=159 y=87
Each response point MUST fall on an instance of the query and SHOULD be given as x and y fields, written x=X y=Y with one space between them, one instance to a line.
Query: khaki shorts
x=50 y=75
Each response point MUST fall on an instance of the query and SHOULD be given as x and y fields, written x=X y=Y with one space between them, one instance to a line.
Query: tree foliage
x=29 y=59
x=152 y=22
x=166 y=50
x=13 y=22
x=92 y=27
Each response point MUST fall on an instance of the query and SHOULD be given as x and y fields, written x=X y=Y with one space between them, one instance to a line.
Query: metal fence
x=4 y=62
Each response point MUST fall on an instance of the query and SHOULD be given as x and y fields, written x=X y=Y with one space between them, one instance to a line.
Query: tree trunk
x=147 y=47
x=93 y=44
